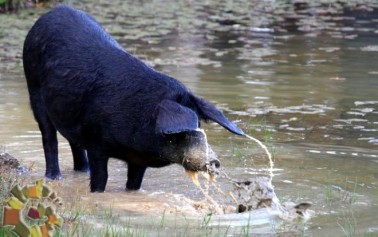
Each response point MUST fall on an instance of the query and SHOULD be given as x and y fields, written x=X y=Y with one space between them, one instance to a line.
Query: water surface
x=308 y=89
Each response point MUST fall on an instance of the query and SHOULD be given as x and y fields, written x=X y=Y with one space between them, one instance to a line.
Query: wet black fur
x=104 y=101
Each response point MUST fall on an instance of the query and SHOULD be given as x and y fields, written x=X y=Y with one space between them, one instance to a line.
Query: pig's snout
x=215 y=163
x=191 y=150
x=202 y=160
x=213 y=159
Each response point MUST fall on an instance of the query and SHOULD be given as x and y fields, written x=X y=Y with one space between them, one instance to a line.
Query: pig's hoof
x=84 y=169
x=132 y=189
x=53 y=175
x=133 y=186
x=97 y=189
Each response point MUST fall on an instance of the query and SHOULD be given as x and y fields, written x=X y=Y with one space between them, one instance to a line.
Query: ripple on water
x=299 y=109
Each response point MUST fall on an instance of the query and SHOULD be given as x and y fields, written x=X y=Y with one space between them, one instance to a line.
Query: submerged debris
x=8 y=161
x=253 y=193
x=256 y=193
x=247 y=196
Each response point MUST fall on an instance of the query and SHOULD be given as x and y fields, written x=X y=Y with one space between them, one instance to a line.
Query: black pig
x=108 y=103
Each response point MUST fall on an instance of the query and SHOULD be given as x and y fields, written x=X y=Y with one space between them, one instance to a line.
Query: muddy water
x=308 y=89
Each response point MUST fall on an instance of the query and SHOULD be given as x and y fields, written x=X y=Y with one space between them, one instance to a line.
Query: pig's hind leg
x=98 y=165
x=135 y=175
x=79 y=158
x=49 y=134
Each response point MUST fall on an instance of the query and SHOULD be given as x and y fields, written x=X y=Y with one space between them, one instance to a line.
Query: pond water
x=304 y=80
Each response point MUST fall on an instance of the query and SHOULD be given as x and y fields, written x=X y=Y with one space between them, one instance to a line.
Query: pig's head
x=183 y=141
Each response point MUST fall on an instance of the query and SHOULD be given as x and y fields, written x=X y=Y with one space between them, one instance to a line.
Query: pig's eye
x=176 y=137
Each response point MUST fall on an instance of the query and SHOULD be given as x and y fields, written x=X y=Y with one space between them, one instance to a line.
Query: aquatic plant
x=339 y=195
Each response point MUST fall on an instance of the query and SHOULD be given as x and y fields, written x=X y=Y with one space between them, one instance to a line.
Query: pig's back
x=66 y=41
x=89 y=84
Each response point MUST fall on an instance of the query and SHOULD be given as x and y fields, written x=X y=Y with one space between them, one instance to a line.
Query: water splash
x=214 y=204
x=212 y=172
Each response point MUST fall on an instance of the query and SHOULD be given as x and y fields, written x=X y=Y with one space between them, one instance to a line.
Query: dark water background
x=302 y=78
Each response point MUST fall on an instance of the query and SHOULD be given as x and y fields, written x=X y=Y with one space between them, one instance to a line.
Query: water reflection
x=311 y=96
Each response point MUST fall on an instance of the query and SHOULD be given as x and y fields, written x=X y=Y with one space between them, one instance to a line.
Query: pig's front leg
x=135 y=175
x=98 y=164
x=79 y=158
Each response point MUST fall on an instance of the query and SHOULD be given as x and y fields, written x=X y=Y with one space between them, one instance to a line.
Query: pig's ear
x=175 y=118
x=208 y=111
